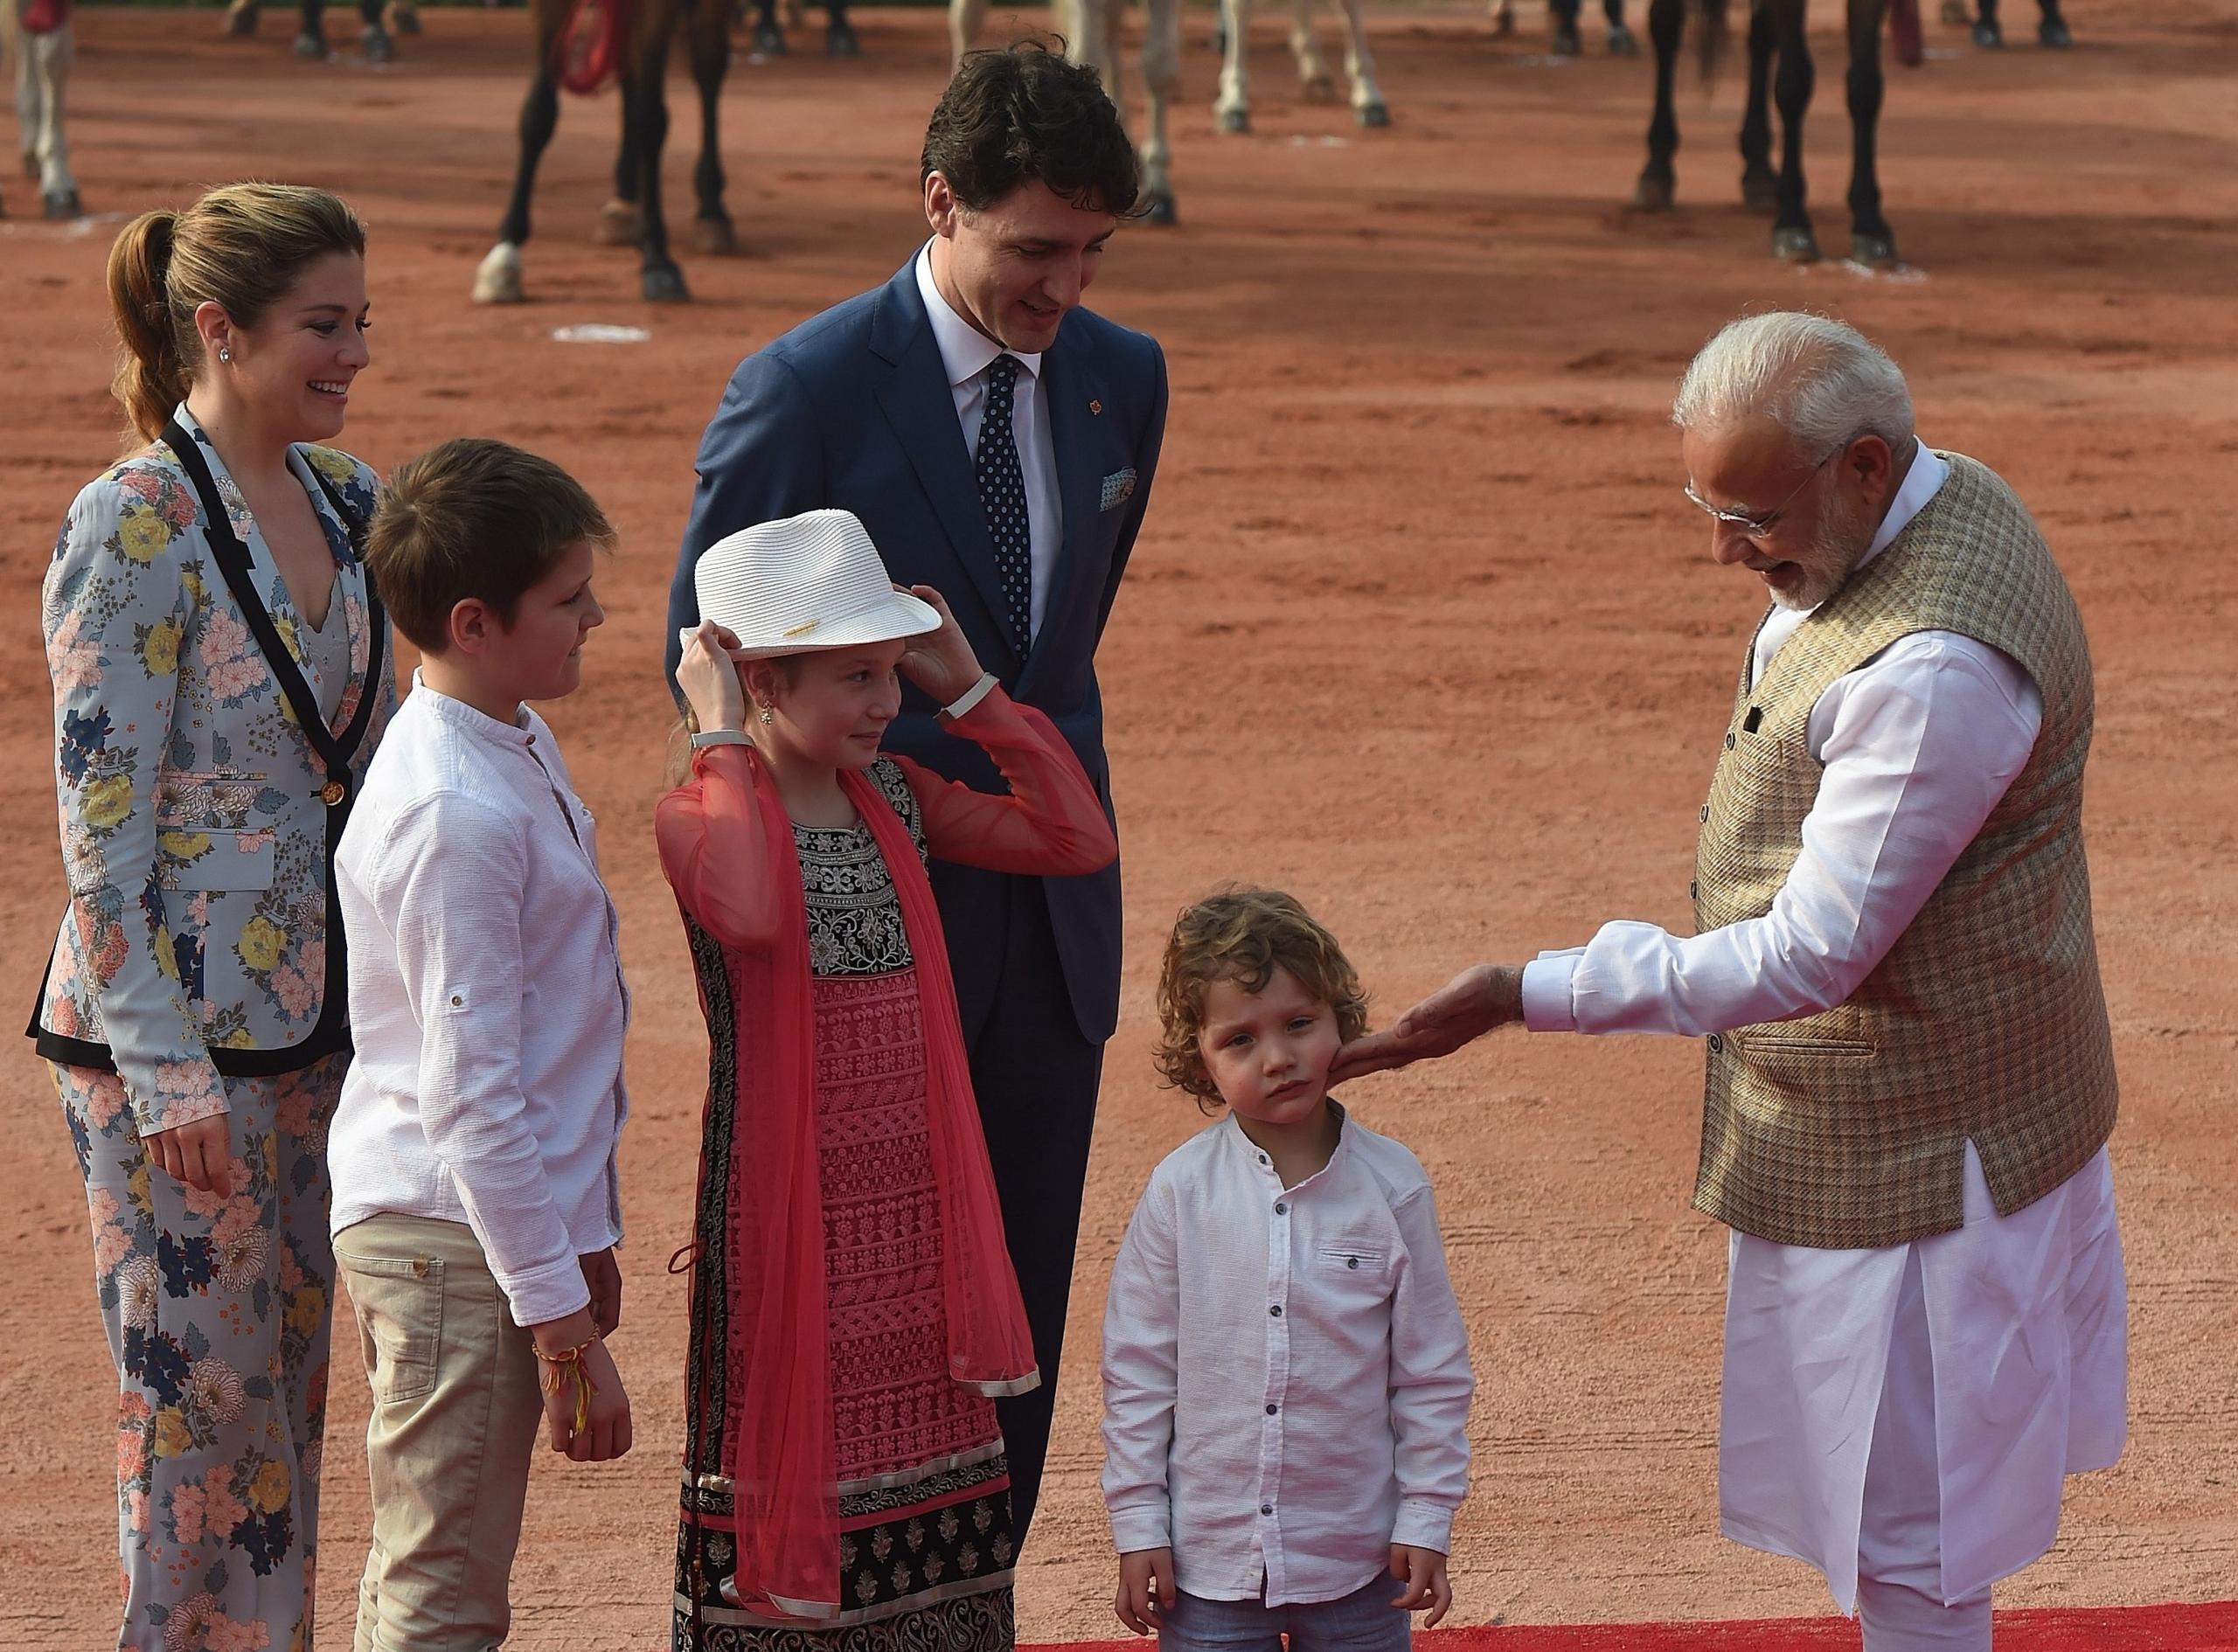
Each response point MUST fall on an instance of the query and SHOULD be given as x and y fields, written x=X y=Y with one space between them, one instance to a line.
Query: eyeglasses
x=1756 y=527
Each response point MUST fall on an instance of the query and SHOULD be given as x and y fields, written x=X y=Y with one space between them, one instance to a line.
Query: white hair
x=1820 y=381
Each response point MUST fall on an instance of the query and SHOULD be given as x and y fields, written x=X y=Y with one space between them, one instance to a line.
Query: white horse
x=1090 y=28
x=42 y=59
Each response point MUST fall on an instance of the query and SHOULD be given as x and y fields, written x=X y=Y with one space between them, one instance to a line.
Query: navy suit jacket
x=852 y=410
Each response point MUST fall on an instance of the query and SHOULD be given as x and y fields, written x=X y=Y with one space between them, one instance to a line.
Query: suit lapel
x=917 y=403
x=1074 y=388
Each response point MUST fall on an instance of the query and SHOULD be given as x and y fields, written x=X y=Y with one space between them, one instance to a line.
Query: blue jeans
x=1363 y=1621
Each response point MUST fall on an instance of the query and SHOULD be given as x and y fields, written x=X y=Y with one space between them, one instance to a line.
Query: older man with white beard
x=1911 y=1081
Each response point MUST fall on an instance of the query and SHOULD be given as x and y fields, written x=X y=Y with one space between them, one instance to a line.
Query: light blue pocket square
x=1118 y=488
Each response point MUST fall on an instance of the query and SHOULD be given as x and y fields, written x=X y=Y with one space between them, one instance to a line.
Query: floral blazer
x=194 y=835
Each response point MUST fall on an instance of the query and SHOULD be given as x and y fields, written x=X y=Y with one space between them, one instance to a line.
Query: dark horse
x=629 y=39
x=1776 y=31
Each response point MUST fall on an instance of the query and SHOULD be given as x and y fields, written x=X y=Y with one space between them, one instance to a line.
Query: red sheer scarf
x=778 y=1439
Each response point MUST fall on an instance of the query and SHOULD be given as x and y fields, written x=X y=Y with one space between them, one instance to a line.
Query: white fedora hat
x=808 y=582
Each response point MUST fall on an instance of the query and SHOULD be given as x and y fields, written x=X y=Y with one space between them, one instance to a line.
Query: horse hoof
x=1160 y=209
x=377 y=46
x=1760 y=191
x=1654 y=194
x=1954 y=12
x=498 y=280
x=1504 y=17
x=240 y=20
x=769 y=40
x=64 y=205
x=1374 y=115
x=2053 y=33
x=1988 y=34
x=1875 y=251
x=618 y=223
x=309 y=46
x=1621 y=42
x=839 y=41
x=1566 y=44
x=714 y=236
x=663 y=284
x=1795 y=246
x=404 y=18
x=1233 y=120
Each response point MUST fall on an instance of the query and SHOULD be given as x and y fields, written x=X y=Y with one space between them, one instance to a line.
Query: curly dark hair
x=1024 y=112
x=1244 y=934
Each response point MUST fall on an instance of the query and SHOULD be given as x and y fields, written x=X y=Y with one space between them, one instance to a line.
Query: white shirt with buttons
x=486 y=1000
x=1286 y=1378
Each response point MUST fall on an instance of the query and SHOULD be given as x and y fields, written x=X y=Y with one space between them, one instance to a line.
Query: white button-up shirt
x=486 y=1001
x=1286 y=1375
x=966 y=353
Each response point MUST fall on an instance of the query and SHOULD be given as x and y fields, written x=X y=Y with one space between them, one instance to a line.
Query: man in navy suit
x=998 y=441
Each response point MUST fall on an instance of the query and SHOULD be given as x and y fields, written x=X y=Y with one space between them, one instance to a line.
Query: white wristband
x=963 y=704
x=719 y=737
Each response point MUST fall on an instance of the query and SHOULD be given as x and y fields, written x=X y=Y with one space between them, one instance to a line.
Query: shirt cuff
x=1423 y=1525
x=548 y=1294
x=1135 y=1529
x=1547 y=1005
x=963 y=702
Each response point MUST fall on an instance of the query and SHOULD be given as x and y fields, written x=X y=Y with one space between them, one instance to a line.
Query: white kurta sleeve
x=1919 y=746
x=1141 y=1318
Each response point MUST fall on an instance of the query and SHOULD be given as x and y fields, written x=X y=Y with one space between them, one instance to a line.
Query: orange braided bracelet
x=560 y=1365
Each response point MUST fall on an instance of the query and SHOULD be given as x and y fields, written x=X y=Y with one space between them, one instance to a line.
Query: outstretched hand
x=1466 y=1008
x=942 y=662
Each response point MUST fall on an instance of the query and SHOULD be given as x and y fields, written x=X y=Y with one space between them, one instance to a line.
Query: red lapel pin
x=1095 y=406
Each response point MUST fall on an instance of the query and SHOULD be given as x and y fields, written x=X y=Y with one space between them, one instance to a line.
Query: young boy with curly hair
x=1286 y=1373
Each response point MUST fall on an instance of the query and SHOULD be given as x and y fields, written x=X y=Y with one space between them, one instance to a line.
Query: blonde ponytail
x=241 y=247
x=151 y=379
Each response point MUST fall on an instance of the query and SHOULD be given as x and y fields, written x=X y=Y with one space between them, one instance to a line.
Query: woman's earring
x=768 y=716
x=223 y=354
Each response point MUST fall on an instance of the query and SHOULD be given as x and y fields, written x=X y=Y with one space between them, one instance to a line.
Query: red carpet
x=2211 y=1627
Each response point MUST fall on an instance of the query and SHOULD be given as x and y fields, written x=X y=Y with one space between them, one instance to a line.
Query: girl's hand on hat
x=708 y=676
x=940 y=662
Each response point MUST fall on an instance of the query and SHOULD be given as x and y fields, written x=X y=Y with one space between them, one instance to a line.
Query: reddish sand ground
x=1420 y=628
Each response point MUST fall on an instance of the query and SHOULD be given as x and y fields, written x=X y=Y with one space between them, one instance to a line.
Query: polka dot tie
x=1002 y=491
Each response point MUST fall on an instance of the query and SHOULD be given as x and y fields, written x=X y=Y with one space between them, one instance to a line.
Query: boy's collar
x=519 y=732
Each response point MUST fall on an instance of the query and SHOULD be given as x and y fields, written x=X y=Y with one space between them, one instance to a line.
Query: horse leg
x=710 y=44
x=374 y=42
x=47 y=58
x=1955 y=12
x=1232 y=108
x=242 y=19
x=2051 y=27
x=1368 y=107
x=1162 y=75
x=403 y=18
x=1666 y=24
x=645 y=107
x=1502 y=13
x=1987 y=30
x=1621 y=43
x=768 y=38
x=1566 y=42
x=1760 y=185
x=1313 y=77
x=1791 y=235
x=498 y=280
x=840 y=39
x=964 y=18
x=619 y=222
x=1871 y=242
x=310 y=33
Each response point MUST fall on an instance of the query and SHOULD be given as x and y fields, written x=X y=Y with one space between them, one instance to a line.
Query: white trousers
x=42 y=68
x=1899 y=1604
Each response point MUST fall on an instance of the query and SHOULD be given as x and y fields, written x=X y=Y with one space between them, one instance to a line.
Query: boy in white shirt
x=1286 y=1375
x=476 y=1204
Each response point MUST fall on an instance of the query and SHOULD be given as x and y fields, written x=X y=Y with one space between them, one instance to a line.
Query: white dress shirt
x=2023 y=1316
x=486 y=1000
x=966 y=354
x=1286 y=1375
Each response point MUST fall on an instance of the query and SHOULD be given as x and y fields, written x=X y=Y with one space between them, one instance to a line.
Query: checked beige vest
x=1986 y=1020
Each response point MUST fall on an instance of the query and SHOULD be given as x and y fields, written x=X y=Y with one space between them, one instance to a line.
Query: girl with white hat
x=854 y=1312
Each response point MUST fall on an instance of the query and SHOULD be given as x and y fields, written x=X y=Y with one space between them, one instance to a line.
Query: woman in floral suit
x=221 y=674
